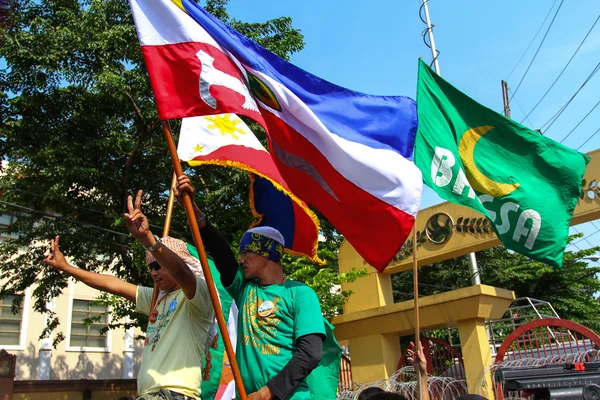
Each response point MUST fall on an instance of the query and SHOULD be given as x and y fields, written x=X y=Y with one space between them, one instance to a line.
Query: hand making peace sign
x=136 y=222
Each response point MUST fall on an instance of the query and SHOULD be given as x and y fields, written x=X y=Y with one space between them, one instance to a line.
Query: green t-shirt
x=270 y=320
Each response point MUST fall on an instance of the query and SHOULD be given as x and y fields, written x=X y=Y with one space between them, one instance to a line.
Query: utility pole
x=505 y=99
x=473 y=267
x=434 y=54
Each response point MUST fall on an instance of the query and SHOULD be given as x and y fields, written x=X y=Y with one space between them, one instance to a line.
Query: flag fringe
x=251 y=172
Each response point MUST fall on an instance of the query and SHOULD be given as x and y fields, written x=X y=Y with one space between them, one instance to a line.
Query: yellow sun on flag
x=226 y=125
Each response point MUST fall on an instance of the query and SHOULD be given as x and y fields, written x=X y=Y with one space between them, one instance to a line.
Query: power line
x=523 y=111
x=538 y=49
x=48 y=215
x=588 y=139
x=564 y=69
x=89 y=209
x=581 y=240
x=553 y=119
x=120 y=245
x=579 y=123
x=584 y=238
x=532 y=40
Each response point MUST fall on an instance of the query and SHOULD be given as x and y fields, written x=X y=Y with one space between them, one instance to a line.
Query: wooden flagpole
x=166 y=228
x=416 y=307
x=187 y=203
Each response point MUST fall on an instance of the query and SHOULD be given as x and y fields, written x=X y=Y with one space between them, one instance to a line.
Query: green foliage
x=572 y=290
x=80 y=131
x=325 y=280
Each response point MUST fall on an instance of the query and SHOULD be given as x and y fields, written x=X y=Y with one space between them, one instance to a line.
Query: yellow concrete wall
x=65 y=363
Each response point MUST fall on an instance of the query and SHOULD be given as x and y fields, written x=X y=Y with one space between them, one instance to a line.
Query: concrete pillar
x=476 y=354
x=371 y=291
x=374 y=357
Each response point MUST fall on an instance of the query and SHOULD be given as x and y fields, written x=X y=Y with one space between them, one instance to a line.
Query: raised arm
x=137 y=224
x=419 y=363
x=213 y=239
x=105 y=283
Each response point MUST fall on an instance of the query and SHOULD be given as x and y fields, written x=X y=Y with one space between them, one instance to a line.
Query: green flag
x=212 y=376
x=524 y=182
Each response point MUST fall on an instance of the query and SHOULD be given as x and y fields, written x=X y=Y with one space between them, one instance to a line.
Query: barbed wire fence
x=404 y=382
x=587 y=356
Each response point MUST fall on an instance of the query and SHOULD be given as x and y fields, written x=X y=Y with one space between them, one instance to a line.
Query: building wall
x=36 y=359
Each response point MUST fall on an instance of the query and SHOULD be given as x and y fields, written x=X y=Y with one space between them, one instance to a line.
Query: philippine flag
x=225 y=139
x=349 y=154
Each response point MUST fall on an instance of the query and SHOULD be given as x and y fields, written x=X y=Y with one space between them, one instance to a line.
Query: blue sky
x=374 y=49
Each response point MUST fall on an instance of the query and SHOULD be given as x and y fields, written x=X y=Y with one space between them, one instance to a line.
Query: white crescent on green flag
x=525 y=183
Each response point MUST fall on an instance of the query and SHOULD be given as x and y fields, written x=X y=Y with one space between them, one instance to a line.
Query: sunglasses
x=154 y=266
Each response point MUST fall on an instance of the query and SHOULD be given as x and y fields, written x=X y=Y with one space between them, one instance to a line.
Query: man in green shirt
x=280 y=325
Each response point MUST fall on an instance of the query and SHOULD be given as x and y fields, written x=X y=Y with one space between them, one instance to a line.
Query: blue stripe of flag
x=381 y=122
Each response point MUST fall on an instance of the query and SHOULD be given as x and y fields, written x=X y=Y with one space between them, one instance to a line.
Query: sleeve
x=237 y=284
x=223 y=257
x=201 y=304
x=308 y=318
x=306 y=358
x=143 y=298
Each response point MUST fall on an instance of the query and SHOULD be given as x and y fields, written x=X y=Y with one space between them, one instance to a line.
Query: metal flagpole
x=214 y=297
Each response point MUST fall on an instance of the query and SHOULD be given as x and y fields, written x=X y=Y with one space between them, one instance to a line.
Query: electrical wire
x=538 y=49
x=532 y=40
x=49 y=215
x=89 y=209
x=579 y=123
x=588 y=139
x=564 y=69
x=95 y=237
x=581 y=240
x=584 y=238
x=553 y=119
x=523 y=111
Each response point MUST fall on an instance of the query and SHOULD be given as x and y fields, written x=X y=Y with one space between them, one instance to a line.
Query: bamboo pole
x=416 y=308
x=170 y=204
x=187 y=203
x=166 y=228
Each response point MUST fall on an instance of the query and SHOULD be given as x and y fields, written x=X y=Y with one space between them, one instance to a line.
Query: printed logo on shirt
x=162 y=320
x=266 y=308
x=262 y=322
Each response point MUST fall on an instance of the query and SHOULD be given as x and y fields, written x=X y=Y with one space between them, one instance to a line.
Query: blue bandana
x=263 y=246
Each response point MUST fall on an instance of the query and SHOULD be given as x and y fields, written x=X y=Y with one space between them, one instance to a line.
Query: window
x=10 y=324
x=88 y=335
x=5 y=221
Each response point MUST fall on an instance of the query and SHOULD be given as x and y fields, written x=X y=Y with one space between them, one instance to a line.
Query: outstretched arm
x=419 y=363
x=213 y=239
x=137 y=224
x=105 y=283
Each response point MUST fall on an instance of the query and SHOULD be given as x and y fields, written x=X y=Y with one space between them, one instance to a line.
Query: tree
x=80 y=132
x=572 y=290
